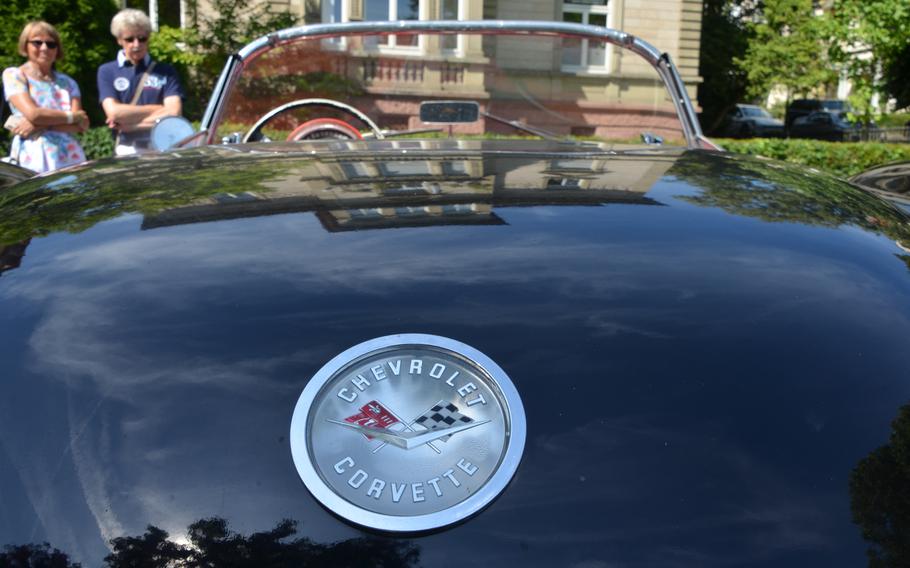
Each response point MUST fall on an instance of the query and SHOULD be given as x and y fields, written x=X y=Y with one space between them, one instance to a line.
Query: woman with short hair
x=46 y=104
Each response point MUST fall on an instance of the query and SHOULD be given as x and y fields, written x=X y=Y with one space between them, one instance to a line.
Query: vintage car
x=748 y=121
x=429 y=294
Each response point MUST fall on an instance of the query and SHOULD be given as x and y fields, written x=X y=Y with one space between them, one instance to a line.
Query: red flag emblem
x=373 y=415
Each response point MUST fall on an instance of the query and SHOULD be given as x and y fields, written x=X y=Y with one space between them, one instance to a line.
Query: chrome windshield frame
x=661 y=62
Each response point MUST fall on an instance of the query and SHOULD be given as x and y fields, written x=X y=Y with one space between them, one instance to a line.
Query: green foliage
x=170 y=45
x=179 y=47
x=319 y=83
x=84 y=27
x=787 y=49
x=843 y=159
x=200 y=56
x=766 y=190
x=97 y=143
x=75 y=203
x=894 y=119
x=881 y=27
x=724 y=38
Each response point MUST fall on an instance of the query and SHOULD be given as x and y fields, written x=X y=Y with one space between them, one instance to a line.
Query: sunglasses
x=37 y=43
x=140 y=39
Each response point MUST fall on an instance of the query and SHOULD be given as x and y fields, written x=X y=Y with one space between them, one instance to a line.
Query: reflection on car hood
x=710 y=349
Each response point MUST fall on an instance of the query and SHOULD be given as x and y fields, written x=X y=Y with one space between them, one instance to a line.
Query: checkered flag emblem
x=442 y=415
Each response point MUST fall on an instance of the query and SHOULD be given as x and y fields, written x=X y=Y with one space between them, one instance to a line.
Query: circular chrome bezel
x=508 y=465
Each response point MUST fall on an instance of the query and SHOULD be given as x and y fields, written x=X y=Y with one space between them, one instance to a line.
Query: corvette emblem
x=408 y=432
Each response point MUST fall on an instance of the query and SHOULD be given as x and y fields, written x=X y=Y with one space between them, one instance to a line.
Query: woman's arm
x=46 y=117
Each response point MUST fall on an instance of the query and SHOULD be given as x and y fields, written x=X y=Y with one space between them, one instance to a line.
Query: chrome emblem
x=408 y=432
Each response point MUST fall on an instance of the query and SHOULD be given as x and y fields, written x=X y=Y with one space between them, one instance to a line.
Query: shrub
x=97 y=143
x=843 y=159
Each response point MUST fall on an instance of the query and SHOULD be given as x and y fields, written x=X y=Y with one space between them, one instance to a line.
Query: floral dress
x=49 y=150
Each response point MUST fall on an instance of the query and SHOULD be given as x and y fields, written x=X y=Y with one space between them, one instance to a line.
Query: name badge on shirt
x=121 y=84
x=155 y=82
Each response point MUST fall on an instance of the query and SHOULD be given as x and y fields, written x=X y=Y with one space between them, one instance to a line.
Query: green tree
x=199 y=53
x=880 y=497
x=84 y=27
x=724 y=38
x=787 y=49
x=871 y=39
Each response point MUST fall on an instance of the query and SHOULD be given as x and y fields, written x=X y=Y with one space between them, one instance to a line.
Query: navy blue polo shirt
x=119 y=79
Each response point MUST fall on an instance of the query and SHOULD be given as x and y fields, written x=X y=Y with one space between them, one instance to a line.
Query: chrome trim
x=377 y=132
x=214 y=108
x=660 y=61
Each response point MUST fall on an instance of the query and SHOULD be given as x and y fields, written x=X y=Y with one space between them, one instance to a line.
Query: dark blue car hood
x=711 y=352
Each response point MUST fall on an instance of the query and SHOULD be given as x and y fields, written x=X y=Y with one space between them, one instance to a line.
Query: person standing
x=46 y=104
x=134 y=90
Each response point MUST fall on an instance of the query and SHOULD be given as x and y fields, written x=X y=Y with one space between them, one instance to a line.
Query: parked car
x=748 y=121
x=804 y=107
x=418 y=294
x=826 y=125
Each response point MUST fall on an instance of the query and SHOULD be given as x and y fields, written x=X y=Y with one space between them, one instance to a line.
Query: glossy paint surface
x=707 y=348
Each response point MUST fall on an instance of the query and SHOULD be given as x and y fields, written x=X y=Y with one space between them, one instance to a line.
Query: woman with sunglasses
x=135 y=91
x=46 y=104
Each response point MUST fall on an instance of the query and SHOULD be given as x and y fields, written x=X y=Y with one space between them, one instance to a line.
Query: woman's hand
x=80 y=119
x=25 y=129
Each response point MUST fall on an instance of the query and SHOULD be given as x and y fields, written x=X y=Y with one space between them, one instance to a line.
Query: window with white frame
x=380 y=10
x=331 y=11
x=332 y=14
x=451 y=10
x=584 y=54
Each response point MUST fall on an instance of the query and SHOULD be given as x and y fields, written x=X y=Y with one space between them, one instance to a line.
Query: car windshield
x=755 y=112
x=834 y=105
x=484 y=85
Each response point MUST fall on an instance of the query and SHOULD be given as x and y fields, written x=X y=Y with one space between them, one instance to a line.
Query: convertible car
x=446 y=294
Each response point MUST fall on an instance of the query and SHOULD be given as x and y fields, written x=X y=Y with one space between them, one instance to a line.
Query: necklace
x=37 y=74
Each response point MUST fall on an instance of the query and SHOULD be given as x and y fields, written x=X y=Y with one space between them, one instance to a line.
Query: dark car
x=826 y=125
x=747 y=121
x=462 y=309
x=804 y=107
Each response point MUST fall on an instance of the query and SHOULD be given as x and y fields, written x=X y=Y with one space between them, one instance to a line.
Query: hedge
x=843 y=159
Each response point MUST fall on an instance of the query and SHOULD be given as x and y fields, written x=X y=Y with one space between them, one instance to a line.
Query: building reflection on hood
x=379 y=192
x=211 y=543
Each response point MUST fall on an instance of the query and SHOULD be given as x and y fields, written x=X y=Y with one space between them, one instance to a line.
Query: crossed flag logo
x=375 y=415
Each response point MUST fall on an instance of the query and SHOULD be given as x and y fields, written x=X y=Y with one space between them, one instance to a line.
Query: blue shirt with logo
x=119 y=80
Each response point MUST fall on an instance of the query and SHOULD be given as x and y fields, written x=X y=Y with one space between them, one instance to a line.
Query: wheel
x=255 y=133
x=324 y=128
